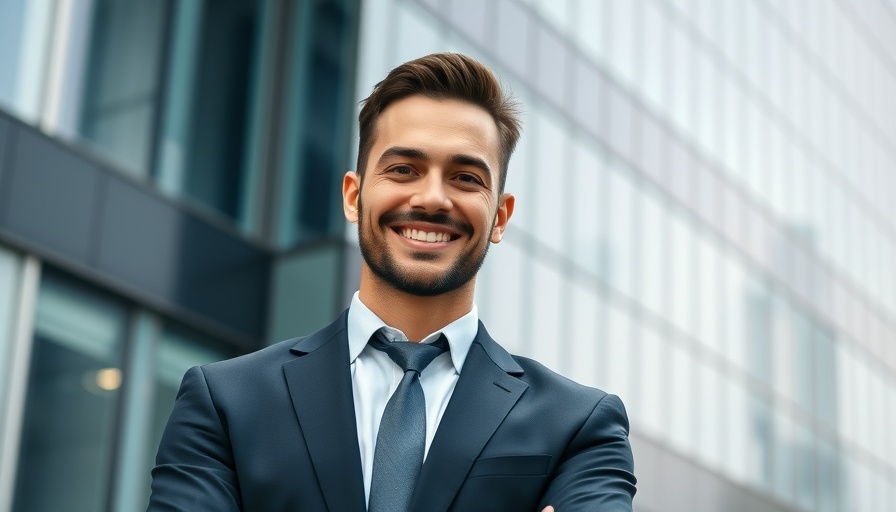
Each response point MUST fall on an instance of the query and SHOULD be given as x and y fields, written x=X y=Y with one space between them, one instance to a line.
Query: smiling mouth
x=425 y=236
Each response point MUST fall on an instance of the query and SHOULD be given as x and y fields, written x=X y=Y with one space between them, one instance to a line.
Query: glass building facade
x=703 y=224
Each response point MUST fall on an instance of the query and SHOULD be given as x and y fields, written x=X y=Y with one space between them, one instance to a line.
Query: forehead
x=438 y=126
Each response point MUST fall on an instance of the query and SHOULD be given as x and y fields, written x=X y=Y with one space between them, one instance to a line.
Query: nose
x=431 y=195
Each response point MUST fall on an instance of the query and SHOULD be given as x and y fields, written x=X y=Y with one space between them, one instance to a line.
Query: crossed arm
x=598 y=472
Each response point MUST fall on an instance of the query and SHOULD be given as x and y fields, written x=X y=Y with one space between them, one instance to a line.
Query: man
x=332 y=422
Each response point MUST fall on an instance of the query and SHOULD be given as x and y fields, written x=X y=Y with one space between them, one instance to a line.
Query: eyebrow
x=416 y=154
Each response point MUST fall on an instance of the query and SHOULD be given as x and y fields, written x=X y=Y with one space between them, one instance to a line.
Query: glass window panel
x=513 y=28
x=783 y=345
x=72 y=398
x=708 y=411
x=620 y=193
x=683 y=283
x=805 y=360
x=552 y=169
x=623 y=22
x=123 y=86
x=706 y=87
x=587 y=230
x=845 y=389
x=586 y=335
x=732 y=126
x=784 y=446
x=521 y=173
x=653 y=383
x=826 y=474
x=709 y=294
x=741 y=458
x=804 y=466
x=557 y=12
x=682 y=400
x=656 y=58
x=680 y=85
x=10 y=270
x=504 y=271
x=417 y=33
x=548 y=301
x=552 y=57
x=25 y=27
x=619 y=352
x=320 y=100
x=736 y=304
x=592 y=17
x=653 y=252
x=761 y=443
x=758 y=329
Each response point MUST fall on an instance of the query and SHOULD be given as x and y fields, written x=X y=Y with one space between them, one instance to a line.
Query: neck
x=414 y=315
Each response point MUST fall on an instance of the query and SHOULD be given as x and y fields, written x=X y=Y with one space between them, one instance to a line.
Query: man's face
x=429 y=204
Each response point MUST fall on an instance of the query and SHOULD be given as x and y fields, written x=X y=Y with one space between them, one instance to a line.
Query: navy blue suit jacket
x=275 y=430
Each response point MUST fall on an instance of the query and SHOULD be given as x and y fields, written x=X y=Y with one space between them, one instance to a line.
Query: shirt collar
x=362 y=323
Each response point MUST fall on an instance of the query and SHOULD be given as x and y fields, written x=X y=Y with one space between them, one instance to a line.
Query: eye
x=470 y=178
x=402 y=169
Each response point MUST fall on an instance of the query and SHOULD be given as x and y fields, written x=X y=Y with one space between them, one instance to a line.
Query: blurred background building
x=705 y=223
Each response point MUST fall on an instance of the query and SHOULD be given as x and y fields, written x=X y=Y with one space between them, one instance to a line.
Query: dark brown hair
x=442 y=76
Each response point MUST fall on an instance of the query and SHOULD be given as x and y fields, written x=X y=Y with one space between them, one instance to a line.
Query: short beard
x=383 y=266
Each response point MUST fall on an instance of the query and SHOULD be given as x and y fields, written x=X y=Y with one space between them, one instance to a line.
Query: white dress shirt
x=375 y=377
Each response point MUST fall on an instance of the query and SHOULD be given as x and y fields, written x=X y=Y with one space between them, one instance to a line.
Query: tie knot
x=409 y=355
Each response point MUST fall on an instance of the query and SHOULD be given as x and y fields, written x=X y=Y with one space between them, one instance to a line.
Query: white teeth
x=423 y=236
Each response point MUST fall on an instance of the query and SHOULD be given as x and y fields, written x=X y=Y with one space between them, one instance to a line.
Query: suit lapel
x=320 y=387
x=484 y=394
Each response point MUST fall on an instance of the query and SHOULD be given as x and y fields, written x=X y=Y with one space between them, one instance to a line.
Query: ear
x=351 y=190
x=505 y=210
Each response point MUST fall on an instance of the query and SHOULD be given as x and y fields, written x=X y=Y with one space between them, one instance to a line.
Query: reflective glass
x=124 y=83
x=25 y=27
x=210 y=113
x=785 y=445
x=709 y=310
x=683 y=283
x=620 y=224
x=547 y=318
x=737 y=306
x=653 y=383
x=553 y=179
x=72 y=400
x=682 y=399
x=623 y=22
x=618 y=377
x=709 y=440
x=655 y=54
x=653 y=254
x=591 y=18
x=783 y=345
x=741 y=459
x=505 y=290
x=10 y=288
x=587 y=239
x=827 y=477
x=416 y=32
x=320 y=99
x=587 y=340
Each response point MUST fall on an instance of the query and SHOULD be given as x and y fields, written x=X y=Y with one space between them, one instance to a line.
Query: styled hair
x=441 y=76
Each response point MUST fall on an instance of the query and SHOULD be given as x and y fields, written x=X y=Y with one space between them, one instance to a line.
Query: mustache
x=443 y=219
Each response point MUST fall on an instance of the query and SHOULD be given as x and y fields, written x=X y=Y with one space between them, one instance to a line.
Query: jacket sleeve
x=194 y=466
x=597 y=472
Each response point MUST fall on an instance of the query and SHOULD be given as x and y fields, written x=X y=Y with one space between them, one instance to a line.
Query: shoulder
x=542 y=379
